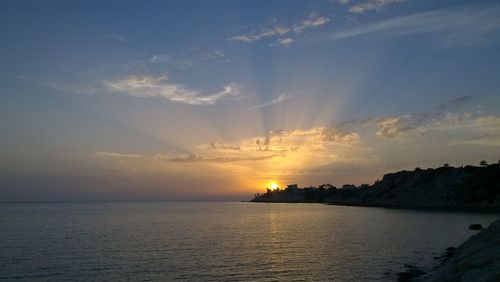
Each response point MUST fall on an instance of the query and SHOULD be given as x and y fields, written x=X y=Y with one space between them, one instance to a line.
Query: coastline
x=477 y=259
x=445 y=188
x=472 y=209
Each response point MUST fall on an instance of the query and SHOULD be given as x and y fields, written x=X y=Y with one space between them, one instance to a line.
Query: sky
x=214 y=100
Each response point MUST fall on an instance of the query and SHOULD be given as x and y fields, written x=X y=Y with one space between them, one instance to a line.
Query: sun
x=273 y=185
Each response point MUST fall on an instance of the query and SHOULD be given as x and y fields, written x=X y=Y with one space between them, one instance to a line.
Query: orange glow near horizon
x=273 y=185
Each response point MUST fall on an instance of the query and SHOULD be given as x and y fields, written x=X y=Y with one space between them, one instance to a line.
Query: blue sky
x=214 y=99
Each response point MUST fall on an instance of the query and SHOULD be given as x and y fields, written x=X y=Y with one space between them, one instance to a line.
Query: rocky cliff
x=444 y=187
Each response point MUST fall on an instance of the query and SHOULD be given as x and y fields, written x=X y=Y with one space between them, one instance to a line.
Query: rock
x=449 y=252
x=475 y=226
x=411 y=273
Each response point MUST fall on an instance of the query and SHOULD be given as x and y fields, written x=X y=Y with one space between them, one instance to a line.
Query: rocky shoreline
x=477 y=259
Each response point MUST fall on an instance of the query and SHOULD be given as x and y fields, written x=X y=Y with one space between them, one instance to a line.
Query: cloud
x=320 y=134
x=489 y=121
x=275 y=30
x=215 y=55
x=118 y=37
x=482 y=140
x=293 y=140
x=188 y=58
x=192 y=158
x=264 y=33
x=159 y=86
x=392 y=128
x=484 y=130
x=358 y=122
x=281 y=98
x=114 y=155
x=313 y=21
x=465 y=129
x=171 y=61
x=214 y=146
x=450 y=27
x=279 y=151
x=285 y=41
x=336 y=135
x=461 y=100
x=244 y=38
x=413 y=124
x=448 y=123
x=370 y=5
x=147 y=86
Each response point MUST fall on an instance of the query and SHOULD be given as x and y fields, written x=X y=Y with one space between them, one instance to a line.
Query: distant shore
x=468 y=188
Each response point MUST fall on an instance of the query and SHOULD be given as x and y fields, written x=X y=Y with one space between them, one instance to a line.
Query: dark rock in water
x=410 y=266
x=405 y=276
x=475 y=227
x=449 y=252
x=411 y=273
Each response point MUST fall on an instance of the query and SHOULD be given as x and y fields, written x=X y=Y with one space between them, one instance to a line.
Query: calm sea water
x=221 y=241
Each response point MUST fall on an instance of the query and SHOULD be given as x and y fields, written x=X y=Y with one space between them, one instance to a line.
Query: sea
x=222 y=241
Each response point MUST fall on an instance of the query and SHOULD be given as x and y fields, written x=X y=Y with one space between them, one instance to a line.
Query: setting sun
x=273 y=186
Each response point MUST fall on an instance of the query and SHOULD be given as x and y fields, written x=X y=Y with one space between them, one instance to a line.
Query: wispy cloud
x=143 y=86
x=118 y=37
x=159 y=86
x=392 y=128
x=294 y=144
x=281 y=98
x=191 y=158
x=214 y=146
x=411 y=125
x=188 y=58
x=489 y=136
x=263 y=33
x=114 y=155
x=461 y=99
x=314 y=20
x=450 y=27
x=285 y=41
x=465 y=128
x=171 y=61
x=370 y=5
x=216 y=55
x=447 y=123
x=292 y=140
